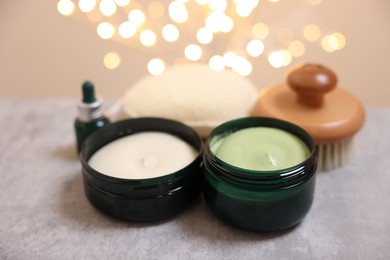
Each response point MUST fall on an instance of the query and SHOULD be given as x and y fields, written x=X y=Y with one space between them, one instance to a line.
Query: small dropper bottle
x=90 y=116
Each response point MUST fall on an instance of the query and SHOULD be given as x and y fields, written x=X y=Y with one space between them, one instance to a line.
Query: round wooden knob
x=311 y=82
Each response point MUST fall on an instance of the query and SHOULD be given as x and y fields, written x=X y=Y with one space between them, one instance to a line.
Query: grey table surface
x=45 y=215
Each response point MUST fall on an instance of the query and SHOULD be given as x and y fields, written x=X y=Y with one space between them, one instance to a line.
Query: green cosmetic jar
x=142 y=199
x=259 y=200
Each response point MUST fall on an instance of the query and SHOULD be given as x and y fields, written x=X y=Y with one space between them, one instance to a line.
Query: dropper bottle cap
x=90 y=107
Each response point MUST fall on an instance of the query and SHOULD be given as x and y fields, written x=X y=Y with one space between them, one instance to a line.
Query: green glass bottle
x=90 y=117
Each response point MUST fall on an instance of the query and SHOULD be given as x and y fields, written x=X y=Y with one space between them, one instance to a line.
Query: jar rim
x=281 y=178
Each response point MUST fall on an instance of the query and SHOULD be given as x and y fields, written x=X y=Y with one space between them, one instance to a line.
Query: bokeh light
x=221 y=27
x=219 y=22
x=204 y=35
x=260 y=30
x=217 y=5
x=280 y=58
x=242 y=66
x=216 y=62
x=156 y=66
x=65 y=7
x=122 y=2
x=105 y=30
x=229 y=58
x=148 y=38
x=111 y=60
x=127 y=30
x=170 y=33
x=178 y=11
x=137 y=17
x=255 y=48
x=87 y=5
x=193 y=52
x=296 y=48
x=312 y=32
x=107 y=7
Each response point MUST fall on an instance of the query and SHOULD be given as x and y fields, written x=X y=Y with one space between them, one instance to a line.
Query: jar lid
x=311 y=100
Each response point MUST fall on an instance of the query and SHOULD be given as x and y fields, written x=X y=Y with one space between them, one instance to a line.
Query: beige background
x=43 y=53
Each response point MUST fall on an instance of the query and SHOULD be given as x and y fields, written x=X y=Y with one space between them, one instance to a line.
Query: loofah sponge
x=193 y=94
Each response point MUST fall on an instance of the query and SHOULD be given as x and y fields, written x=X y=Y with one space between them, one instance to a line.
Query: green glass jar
x=259 y=200
x=146 y=199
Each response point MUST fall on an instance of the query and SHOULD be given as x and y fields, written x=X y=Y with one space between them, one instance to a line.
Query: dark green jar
x=259 y=200
x=142 y=199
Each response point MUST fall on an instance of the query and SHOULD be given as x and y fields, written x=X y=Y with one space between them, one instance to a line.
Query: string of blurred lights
x=225 y=34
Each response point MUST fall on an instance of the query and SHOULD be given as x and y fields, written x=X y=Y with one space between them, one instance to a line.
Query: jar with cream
x=259 y=173
x=142 y=169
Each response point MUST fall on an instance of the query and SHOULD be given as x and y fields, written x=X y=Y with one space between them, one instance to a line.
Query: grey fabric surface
x=45 y=215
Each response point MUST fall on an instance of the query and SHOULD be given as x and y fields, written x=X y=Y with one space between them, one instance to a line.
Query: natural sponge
x=194 y=94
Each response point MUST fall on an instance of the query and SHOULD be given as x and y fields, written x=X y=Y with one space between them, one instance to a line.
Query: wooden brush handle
x=311 y=82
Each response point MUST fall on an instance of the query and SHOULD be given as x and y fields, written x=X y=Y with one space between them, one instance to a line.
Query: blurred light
x=245 y=8
x=280 y=58
x=242 y=66
x=296 y=48
x=229 y=58
x=202 y=2
x=156 y=66
x=219 y=22
x=260 y=30
x=122 y=2
x=211 y=22
x=217 y=63
x=137 y=17
x=87 y=6
x=217 y=5
x=312 y=32
x=314 y=2
x=276 y=59
x=105 y=30
x=340 y=40
x=148 y=38
x=193 y=52
x=178 y=12
x=333 y=42
x=287 y=58
x=248 y=3
x=274 y=1
x=127 y=30
x=156 y=10
x=243 y=11
x=285 y=35
x=227 y=24
x=255 y=48
x=326 y=44
x=111 y=60
x=204 y=35
x=65 y=7
x=107 y=7
x=170 y=33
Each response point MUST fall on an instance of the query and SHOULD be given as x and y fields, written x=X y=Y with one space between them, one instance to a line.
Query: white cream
x=143 y=155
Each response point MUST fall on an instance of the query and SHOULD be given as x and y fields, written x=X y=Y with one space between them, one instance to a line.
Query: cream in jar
x=143 y=155
x=260 y=149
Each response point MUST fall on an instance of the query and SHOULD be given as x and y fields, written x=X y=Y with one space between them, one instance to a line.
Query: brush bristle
x=331 y=156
